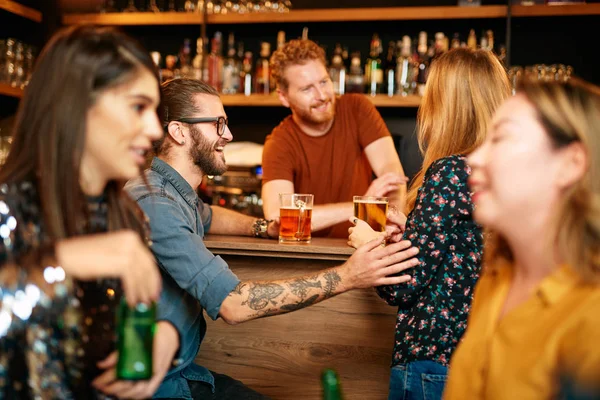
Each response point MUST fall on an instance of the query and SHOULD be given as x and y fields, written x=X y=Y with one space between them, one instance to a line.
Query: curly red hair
x=295 y=52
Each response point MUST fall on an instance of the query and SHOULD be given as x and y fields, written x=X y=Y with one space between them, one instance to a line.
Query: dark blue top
x=433 y=307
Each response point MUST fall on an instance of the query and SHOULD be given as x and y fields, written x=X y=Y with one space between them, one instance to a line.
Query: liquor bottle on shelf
x=337 y=70
x=390 y=69
x=157 y=59
x=346 y=58
x=262 y=72
x=19 y=72
x=199 y=64
x=280 y=39
x=215 y=63
x=472 y=40
x=231 y=68
x=153 y=7
x=189 y=6
x=373 y=69
x=246 y=74
x=170 y=71
x=355 y=79
x=305 y=33
x=455 y=41
x=502 y=55
x=185 y=59
x=489 y=34
x=422 y=62
x=483 y=42
x=405 y=70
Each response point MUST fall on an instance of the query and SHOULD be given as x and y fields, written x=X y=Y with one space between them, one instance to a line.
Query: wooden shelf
x=261 y=100
x=21 y=10
x=7 y=90
x=556 y=10
x=141 y=18
x=361 y=14
x=322 y=15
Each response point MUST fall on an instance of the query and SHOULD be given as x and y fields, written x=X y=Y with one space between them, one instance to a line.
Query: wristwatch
x=259 y=228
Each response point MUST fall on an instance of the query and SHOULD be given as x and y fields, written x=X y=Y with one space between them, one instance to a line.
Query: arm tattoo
x=301 y=304
x=263 y=294
x=332 y=280
x=300 y=286
x=238 y=289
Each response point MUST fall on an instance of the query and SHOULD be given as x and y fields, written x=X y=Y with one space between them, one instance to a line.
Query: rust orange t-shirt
x=332 y=167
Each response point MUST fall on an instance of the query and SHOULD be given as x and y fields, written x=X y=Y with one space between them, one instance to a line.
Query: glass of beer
x=372 y=210
x=295 y=213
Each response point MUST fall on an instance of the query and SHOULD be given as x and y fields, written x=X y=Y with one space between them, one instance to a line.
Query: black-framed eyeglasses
x=221 y=122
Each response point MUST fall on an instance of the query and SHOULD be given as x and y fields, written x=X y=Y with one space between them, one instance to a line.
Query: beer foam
x=371 y=201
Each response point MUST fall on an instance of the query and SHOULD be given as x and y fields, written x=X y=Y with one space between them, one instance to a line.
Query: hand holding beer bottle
x=165 y=345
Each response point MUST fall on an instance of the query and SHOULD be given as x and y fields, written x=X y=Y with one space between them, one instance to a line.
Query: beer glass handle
x=301 y=218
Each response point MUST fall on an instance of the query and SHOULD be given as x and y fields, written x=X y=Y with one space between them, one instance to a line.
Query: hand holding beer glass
x=373 y=211
x=295 y=213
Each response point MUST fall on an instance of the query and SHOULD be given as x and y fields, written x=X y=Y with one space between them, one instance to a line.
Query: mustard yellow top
x=554 y=335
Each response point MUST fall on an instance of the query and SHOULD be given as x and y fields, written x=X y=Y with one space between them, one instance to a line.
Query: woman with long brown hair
x=73 y=243
x=463 y=89
x=534 y=326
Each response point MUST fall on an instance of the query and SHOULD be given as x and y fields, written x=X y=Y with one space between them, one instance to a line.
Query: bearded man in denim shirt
x=194 y=279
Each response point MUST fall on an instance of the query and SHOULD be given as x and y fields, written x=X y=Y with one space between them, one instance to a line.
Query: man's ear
x=283 y=97
x=175 y=130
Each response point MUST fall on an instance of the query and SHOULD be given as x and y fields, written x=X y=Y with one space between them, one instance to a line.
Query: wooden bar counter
x=283 y=356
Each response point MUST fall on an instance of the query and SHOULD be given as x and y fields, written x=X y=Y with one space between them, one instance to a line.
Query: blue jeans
x=419 y=380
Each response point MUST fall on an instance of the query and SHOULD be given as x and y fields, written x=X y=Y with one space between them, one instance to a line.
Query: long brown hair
x=464 y=88
x=569 y=112
x=76 y=65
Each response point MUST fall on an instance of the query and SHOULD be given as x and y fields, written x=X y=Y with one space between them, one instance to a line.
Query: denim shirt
x=193 y=278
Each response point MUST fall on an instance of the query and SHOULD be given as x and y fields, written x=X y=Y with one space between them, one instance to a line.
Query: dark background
x=535 y=40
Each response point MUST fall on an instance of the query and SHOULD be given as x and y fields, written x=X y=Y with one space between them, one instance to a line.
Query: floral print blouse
x=433 y=307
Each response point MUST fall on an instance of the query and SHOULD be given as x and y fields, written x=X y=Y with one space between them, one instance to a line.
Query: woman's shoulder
x=453 y=168
x=455 y=161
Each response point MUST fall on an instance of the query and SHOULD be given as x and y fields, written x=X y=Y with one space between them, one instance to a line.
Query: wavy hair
x=463 y=89
x=76 y=66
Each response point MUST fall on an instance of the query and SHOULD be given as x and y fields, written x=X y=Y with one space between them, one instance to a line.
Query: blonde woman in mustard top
x=534 y=327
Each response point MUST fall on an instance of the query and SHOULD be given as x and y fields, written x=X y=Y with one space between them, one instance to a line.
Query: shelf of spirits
x=361 y=14
x=21 y=10
x=8 y=90
x=309 y=15
x=271 y=100
x=135 y=18
x=556 y=10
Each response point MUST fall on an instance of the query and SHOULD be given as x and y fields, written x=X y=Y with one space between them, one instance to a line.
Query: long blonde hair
x=464 y=88
x=569 y=113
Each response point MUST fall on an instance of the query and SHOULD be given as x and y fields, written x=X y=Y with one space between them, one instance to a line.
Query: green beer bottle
x=135 y=337
x=331 y=385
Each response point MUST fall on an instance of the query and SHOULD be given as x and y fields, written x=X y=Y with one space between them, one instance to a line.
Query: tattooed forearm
x=332 y=280
x=301 y=304
x=238 y=289
x=263 y=299
x=301 y=286
x=263 y=294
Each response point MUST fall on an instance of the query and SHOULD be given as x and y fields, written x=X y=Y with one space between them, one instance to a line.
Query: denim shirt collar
x=183 y=187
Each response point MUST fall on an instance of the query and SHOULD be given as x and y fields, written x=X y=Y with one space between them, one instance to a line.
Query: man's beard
x=202 y=153
x=310 y=119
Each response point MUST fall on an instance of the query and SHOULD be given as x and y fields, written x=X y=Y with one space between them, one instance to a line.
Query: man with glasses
x=194 y=280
